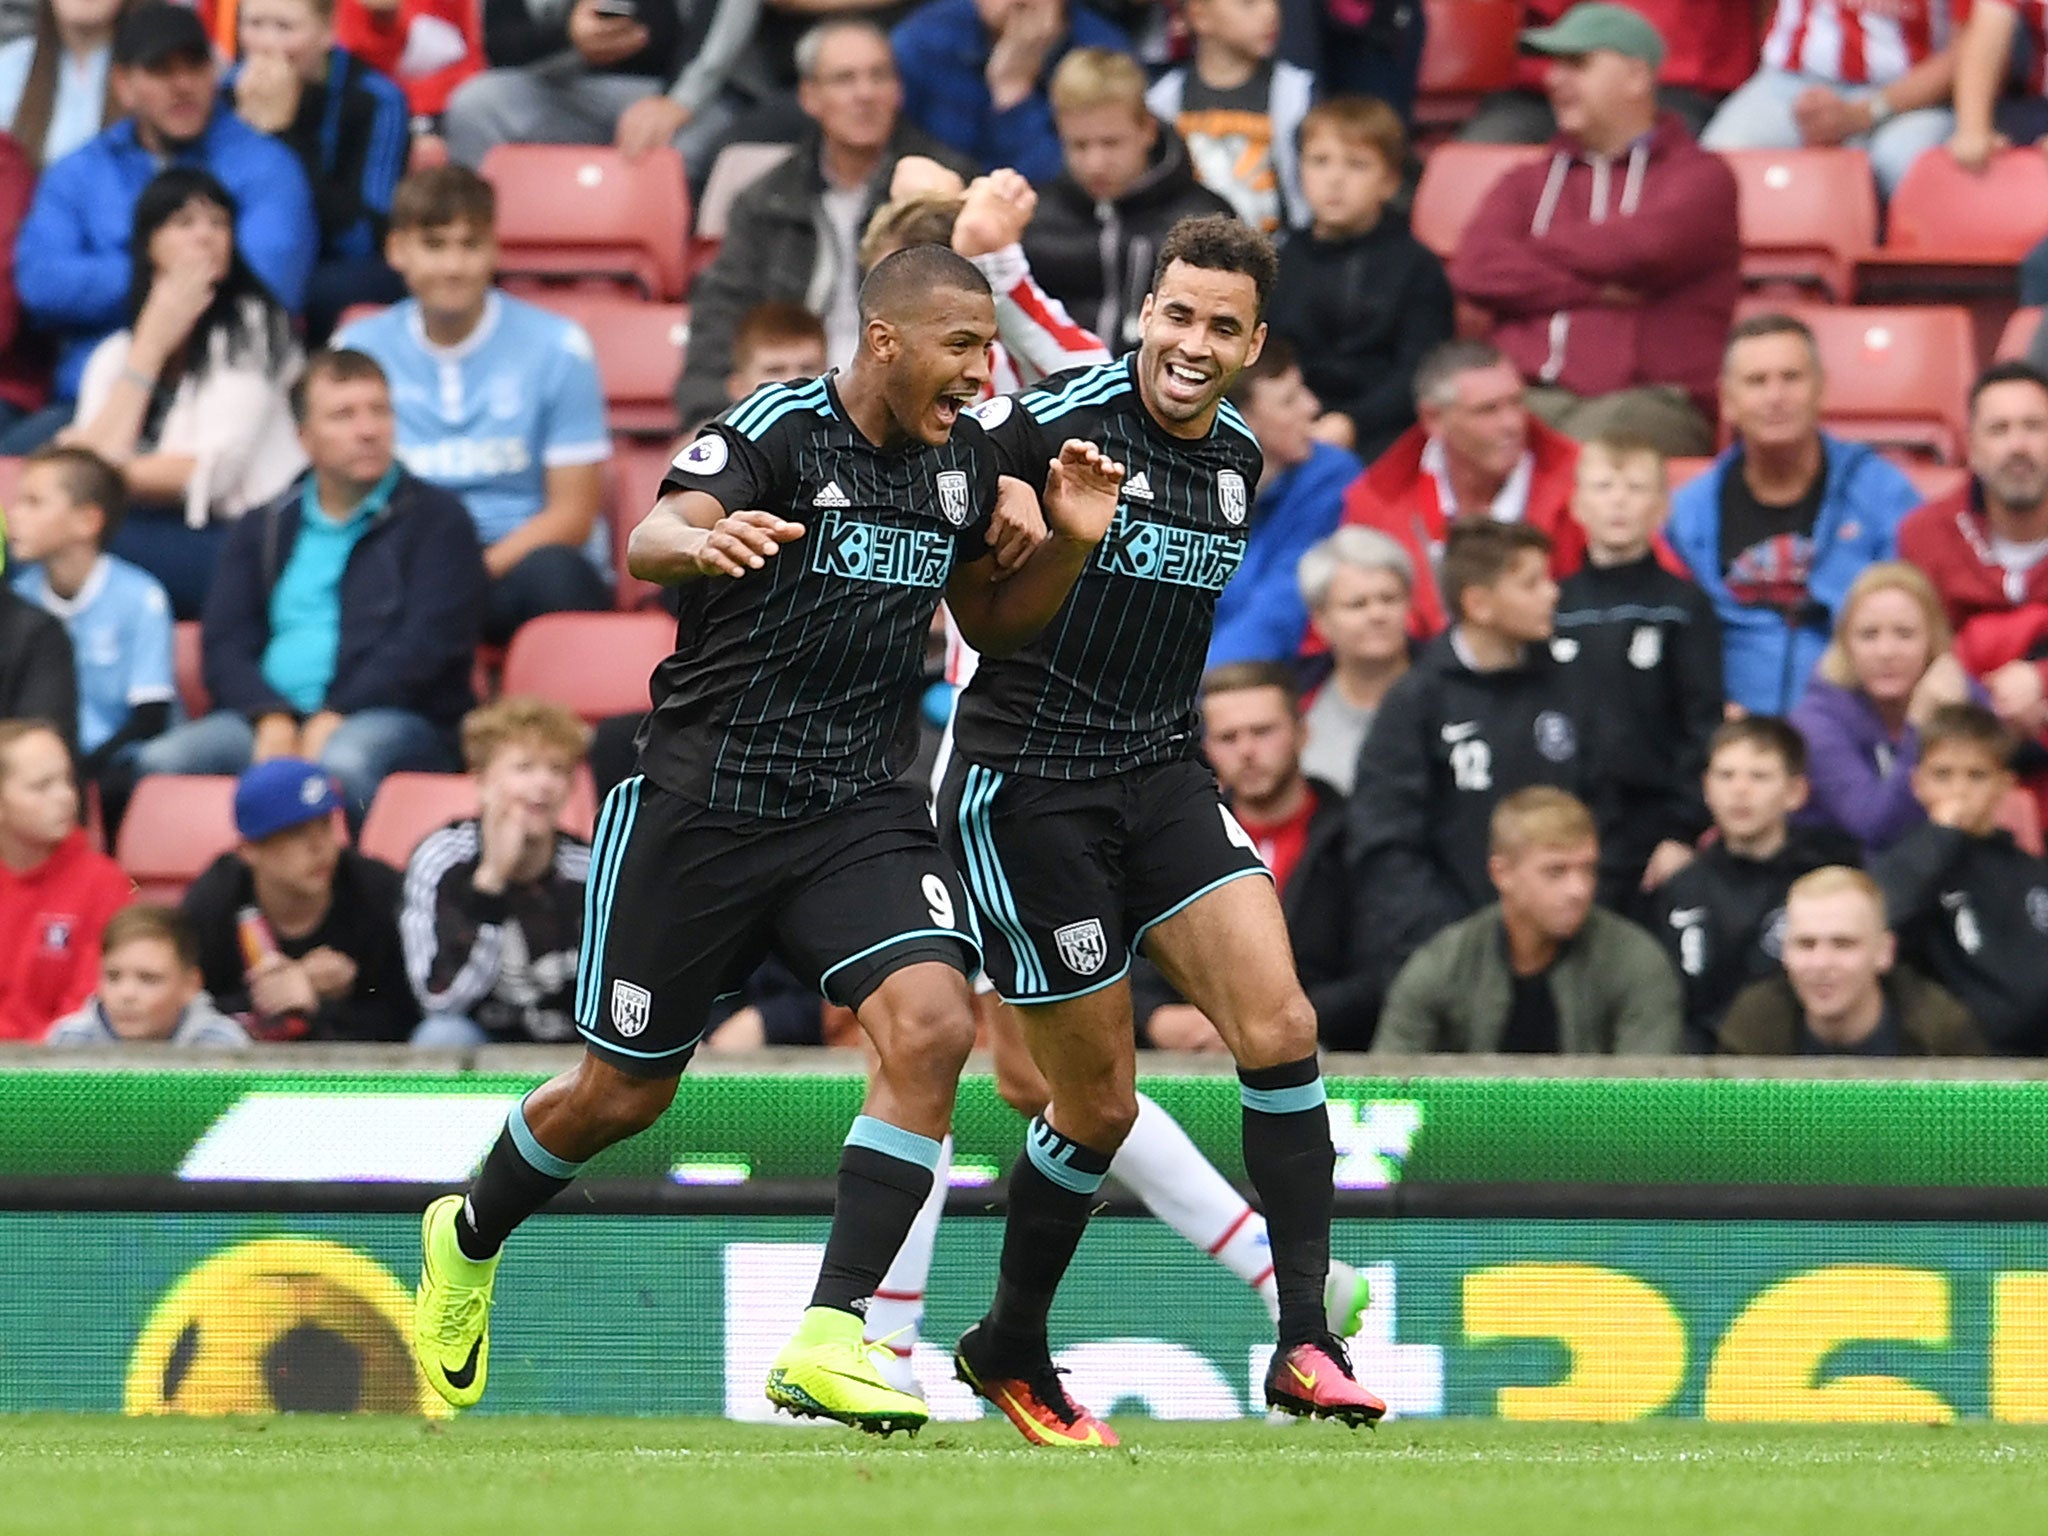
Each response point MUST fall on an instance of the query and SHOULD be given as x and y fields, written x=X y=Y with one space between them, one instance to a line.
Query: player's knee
x=927 y=1038
x=1285 y=1033
x=1102 y=1115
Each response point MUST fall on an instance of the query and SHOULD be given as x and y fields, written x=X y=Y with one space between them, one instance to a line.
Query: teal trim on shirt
x=305 y=605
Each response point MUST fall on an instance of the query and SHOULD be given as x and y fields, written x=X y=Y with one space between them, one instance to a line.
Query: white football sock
x=898 y=1306
x=1165 y=1169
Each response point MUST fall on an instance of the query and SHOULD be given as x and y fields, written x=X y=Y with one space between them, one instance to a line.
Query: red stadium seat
x=188 y=665
x=2018 y=334
x=1680 y=472
x=639 y=349
x=1469 y=49
x=737 y=167
x=638 y=467
x=1455 y=180
x=1806 y=215
x=1933 y=481
x=176 y=825
x=1944 y=212
x=596 y=664
x=1900 y=377
x=410 y=805
x=569 y=211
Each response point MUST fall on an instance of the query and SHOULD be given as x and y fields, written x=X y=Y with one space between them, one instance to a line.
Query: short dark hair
x=2017 y=371
x=344 y=365
x=146 y=921
x=902 y=275
x=1766 y=733
x=444 y=194
x=1969 y=725
x=1771 y=323
x=1478 y=553
x=1274 y=359
x=1220 y=242
x=1244 y=676
x=766 y=325
x=90 y=481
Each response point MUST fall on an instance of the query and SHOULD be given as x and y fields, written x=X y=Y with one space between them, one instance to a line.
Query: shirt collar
x=88 y=592
x=376 y=501
x=1510 y=506
x=486 y=323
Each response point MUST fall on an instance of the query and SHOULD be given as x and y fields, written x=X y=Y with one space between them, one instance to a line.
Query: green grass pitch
x=566 y=1477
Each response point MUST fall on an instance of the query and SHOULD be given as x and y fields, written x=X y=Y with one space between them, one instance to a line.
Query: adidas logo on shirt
x=1138 y=487
x=831 y=496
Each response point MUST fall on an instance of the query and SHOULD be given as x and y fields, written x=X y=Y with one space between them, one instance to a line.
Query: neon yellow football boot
x=829 y=1372
x=451 y=1315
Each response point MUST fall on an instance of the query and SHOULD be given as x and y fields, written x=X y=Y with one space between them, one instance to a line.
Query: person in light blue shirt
x=53 y=83
x=498 y=401
x=65 y=508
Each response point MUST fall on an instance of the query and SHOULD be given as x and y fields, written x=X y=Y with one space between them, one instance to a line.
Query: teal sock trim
x=539 y=1156
x=893 y=1141
x=1284 y=1101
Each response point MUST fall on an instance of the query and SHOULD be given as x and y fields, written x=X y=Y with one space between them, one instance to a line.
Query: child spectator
x=1543 y=971
x=348 y=125
x=1649 y=648
x=1485 y=711
x=1969 y=904
x=493 y=908
x=190 y=401
x=65 y=510
x=1260 y=615
x=498 y=401
x=1889 y=667
x=56 y=894
x=1355 y=585
x=1841 y=994
x=1360 y=297
x=775 y=343
x=54 y=88
x=296 y=928
x=149 y=989
x=1721 y=917
x=1239 y=109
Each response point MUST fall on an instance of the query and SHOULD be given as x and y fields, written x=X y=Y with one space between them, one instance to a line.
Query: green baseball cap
x=1594 y=26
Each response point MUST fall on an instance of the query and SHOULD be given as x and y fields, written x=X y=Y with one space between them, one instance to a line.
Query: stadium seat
x=188 y=666
x=2018 y=334
x=737 y=167
x=1455 y=179
x=596 y=664
x=2020 y=814
x=571 y=211
x=176 y=825
x=638 y=466
x=1896 y=376
x=1806 y=215
x=1944 y=212
x=1933 y=481
x=410 y=805
x=639 y=349
x=1681 y=472
x=1469 y=48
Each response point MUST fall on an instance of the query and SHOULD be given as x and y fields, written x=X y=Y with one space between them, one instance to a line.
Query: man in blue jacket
x=343 y=621
x=72 y=266
x=1260 y=616
x=975 y=73
x=1782 y=523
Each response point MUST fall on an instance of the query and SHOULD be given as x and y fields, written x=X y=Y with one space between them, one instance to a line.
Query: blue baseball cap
x=283 y=793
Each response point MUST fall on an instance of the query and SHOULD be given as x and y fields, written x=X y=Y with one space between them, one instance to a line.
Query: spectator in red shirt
x=1474 y=451
x=56 y=893
x=1985 y=546
x=1713 y=47
x=1611 y=270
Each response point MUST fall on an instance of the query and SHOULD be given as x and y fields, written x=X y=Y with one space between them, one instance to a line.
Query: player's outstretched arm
x=690 y=534
x=998 y=614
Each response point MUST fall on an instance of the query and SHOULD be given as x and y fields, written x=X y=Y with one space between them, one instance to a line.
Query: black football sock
x=885 y=1173
x=1051 y=1190
x=1293 y=1167
x=518 y=1177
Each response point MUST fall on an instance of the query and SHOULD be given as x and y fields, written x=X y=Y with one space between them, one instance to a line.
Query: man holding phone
x=636 y=74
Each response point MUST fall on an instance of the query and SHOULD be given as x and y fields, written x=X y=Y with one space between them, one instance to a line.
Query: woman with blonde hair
x=1890 y=665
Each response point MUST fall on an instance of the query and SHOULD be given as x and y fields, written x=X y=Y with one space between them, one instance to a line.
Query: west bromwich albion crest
x=953 y=502
x=1082 y=946
x=630 y=1007
x=1230 y=492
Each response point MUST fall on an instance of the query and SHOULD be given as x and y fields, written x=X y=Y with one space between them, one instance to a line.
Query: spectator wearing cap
x=343 y=621
x=295 y=928
x=1611 y=269
x=72 y=266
